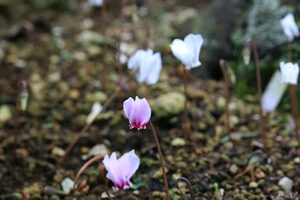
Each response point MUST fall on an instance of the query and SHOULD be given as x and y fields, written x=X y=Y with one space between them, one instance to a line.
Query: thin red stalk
x=16 y=125
x=99 y=157
x=258 y=78
x=103 y=23
x=224 y=68
x=188 y=183
x=293 y=95
x=161 y=160
x=83 y=131
x=186 y=133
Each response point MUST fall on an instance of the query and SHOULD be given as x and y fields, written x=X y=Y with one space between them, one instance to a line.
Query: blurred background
x=73 y=53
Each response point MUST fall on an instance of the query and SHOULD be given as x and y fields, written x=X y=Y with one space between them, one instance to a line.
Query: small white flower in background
x=289 y=73
x=188 y=50
x=96 y=109
x=97 y=3
x=289 y=26
x=148 y=64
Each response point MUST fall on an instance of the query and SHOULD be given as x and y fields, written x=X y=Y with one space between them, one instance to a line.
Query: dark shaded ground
x=68 y=71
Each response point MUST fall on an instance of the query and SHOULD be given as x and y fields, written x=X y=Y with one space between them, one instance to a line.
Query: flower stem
x=161 y=160
x=103 y=27
x=187 y=126
x=188 y=183
x=224 y=68
x=99 y=157
x=83 y=131
x=258 y=78
x=16 y=125
x=293 y=94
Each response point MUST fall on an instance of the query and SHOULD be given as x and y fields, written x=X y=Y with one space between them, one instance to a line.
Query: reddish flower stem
x=99 y=157
x=188 y=183
x=161 y=160
x=187 y=126
x=83 y=131
x=16 y=125
x=103 y=26
x=293 y=95
x=224 y=68
x=258 y=78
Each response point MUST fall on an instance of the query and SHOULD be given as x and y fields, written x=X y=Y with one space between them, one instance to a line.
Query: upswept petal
x=144 y=60
x=114 y=172
x=130 y=163
x=155 y=69
x=141 y=113
x=194 y=43
x=128 y=106
x=289 y=73
x=119 y=171
x=135 y=60
x=182 y=52
x=289 y=26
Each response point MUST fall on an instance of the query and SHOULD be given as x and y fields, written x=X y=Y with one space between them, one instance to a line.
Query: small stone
x=253 y=185
x=297 y=160
x=233 y=169
x=157 y=174
x=177 y=142
x=221 y=102
x=293 y=143
x=57 y=151
x=286 y=184
x=67 y=185
x=259 y=174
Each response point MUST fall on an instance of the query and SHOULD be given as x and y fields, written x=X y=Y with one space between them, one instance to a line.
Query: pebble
x=178 y=142
x=286 y=184
x=253 y=185
x=233 y=169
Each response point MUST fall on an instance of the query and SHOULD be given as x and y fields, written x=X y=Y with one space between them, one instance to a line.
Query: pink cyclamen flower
x=119 y=171
x=138 y=112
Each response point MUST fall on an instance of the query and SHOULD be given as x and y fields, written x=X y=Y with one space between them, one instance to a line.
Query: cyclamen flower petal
x=289 y=26
x=138 y=112
x=97 y=3
x=119 y=171
x=188 y=50
x=96 y=109
x=149 y=65
x=289 y=73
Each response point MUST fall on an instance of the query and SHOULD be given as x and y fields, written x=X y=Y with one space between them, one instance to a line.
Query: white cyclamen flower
x=289 y=73
x=96 y=109
x=97 y=3
x=289 y=26
x=148 y=64
x=188 y=50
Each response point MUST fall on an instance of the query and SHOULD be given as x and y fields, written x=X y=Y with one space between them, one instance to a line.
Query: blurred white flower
x=289 y=26
x=289 y=73
x=96 y=109
x=96 y=3
x=148 y=64
x=188 y=50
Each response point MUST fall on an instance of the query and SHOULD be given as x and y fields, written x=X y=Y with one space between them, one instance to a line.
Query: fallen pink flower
x=119 y=171
x=138 y=112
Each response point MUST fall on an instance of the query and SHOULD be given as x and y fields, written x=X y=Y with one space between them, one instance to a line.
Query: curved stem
x=188 y=183
x=106 y=189
x=83 y=131
x=99 y=157
x=161 y=160
x=258 y=78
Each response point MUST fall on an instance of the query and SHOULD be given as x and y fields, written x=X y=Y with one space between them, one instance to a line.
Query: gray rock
x=286 y=184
